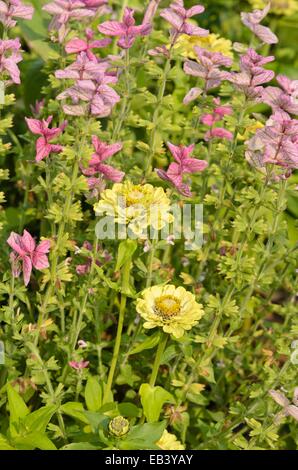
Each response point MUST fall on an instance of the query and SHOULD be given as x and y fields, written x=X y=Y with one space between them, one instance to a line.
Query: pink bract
x=27 y=254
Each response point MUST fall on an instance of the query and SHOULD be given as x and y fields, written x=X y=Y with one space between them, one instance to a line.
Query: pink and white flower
x=27 y=255
x=43 y=144
x=103 y=151
x=253 y=20
x=184 y=165
x=177 y=16
x=14 y=9
x=126 y=29
x=9 y=58
x=76 y=45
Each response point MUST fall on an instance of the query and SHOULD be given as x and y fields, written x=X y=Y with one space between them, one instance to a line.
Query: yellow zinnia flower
x=172 y=308
x=169 y=441
x=279 y=7
x=212 y=42
x=137 y=206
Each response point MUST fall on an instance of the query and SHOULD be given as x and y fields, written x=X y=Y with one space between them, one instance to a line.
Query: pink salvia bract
x=63 y=11
x=192 y=95
x=11 y=9
x=184 y=165
x=207 y=67
x=96 y=186
x=103 y=151
x=37 y=107
x=98 y=97
x=218 y=133
x=159 y=51
x=275 y=143
x=126 y=29
x=279 y=100
x=83 y=269
x=94 y=4
x=9 y=58
x=100 y=7
x=289 y=409
x=27 y=255
x=83 y=69
x=253 y=20
x=209 y=119
x=44 y=147
x=252 y=74
x=151 y=11
x=76 y=45
x=289 y=86
x=177 y=16
x=78 y=365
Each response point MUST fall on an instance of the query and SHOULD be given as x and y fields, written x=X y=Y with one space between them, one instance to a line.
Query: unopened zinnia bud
x=119 y=426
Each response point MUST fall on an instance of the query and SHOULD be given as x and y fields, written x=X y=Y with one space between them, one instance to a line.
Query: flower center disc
x=167 y=306
x=134 y=197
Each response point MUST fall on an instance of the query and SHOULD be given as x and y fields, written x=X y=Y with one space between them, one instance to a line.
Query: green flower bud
x=119 y=426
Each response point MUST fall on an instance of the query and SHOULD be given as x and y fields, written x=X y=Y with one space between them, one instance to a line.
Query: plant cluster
x=120 y=331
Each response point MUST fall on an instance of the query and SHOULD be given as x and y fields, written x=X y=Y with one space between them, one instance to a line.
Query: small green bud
x=119 y=426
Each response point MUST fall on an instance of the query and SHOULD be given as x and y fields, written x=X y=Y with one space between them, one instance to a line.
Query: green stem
x=80 y=142
x=252 y=408
x=49 y=388
x=266 y=254
x=148 y=284
x=160 y=96
x=232 y=151
x=125 y=99
x=11 y=294
x=79 y=386
x=158 y=357
x=125 y=284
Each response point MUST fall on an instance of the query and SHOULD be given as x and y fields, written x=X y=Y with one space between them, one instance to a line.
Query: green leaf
x=93 y=394
x=97 y=420
x=149 y=343
x=34 y=440
x=39 y=419
x=75 y=410
x=35 y=33
x=4 y=444
x=129 y=410
x=17 y=408
x=127 y=376
x=143 y=436
x=79 y=446
x=153 y=399
x=125 y=251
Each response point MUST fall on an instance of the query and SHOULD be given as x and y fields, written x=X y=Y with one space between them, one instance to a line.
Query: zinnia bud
x=119 y=426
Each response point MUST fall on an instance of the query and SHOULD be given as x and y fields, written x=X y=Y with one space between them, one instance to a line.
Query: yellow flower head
x=174 y=309
x=135 y=205
x=212 y=42
x=279 y=7
x=249 y=130
x=169 y=442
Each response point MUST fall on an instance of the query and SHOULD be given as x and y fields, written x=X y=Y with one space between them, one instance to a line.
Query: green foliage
x=76 y=353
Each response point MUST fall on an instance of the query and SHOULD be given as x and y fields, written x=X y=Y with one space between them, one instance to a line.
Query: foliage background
x=242 y=375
